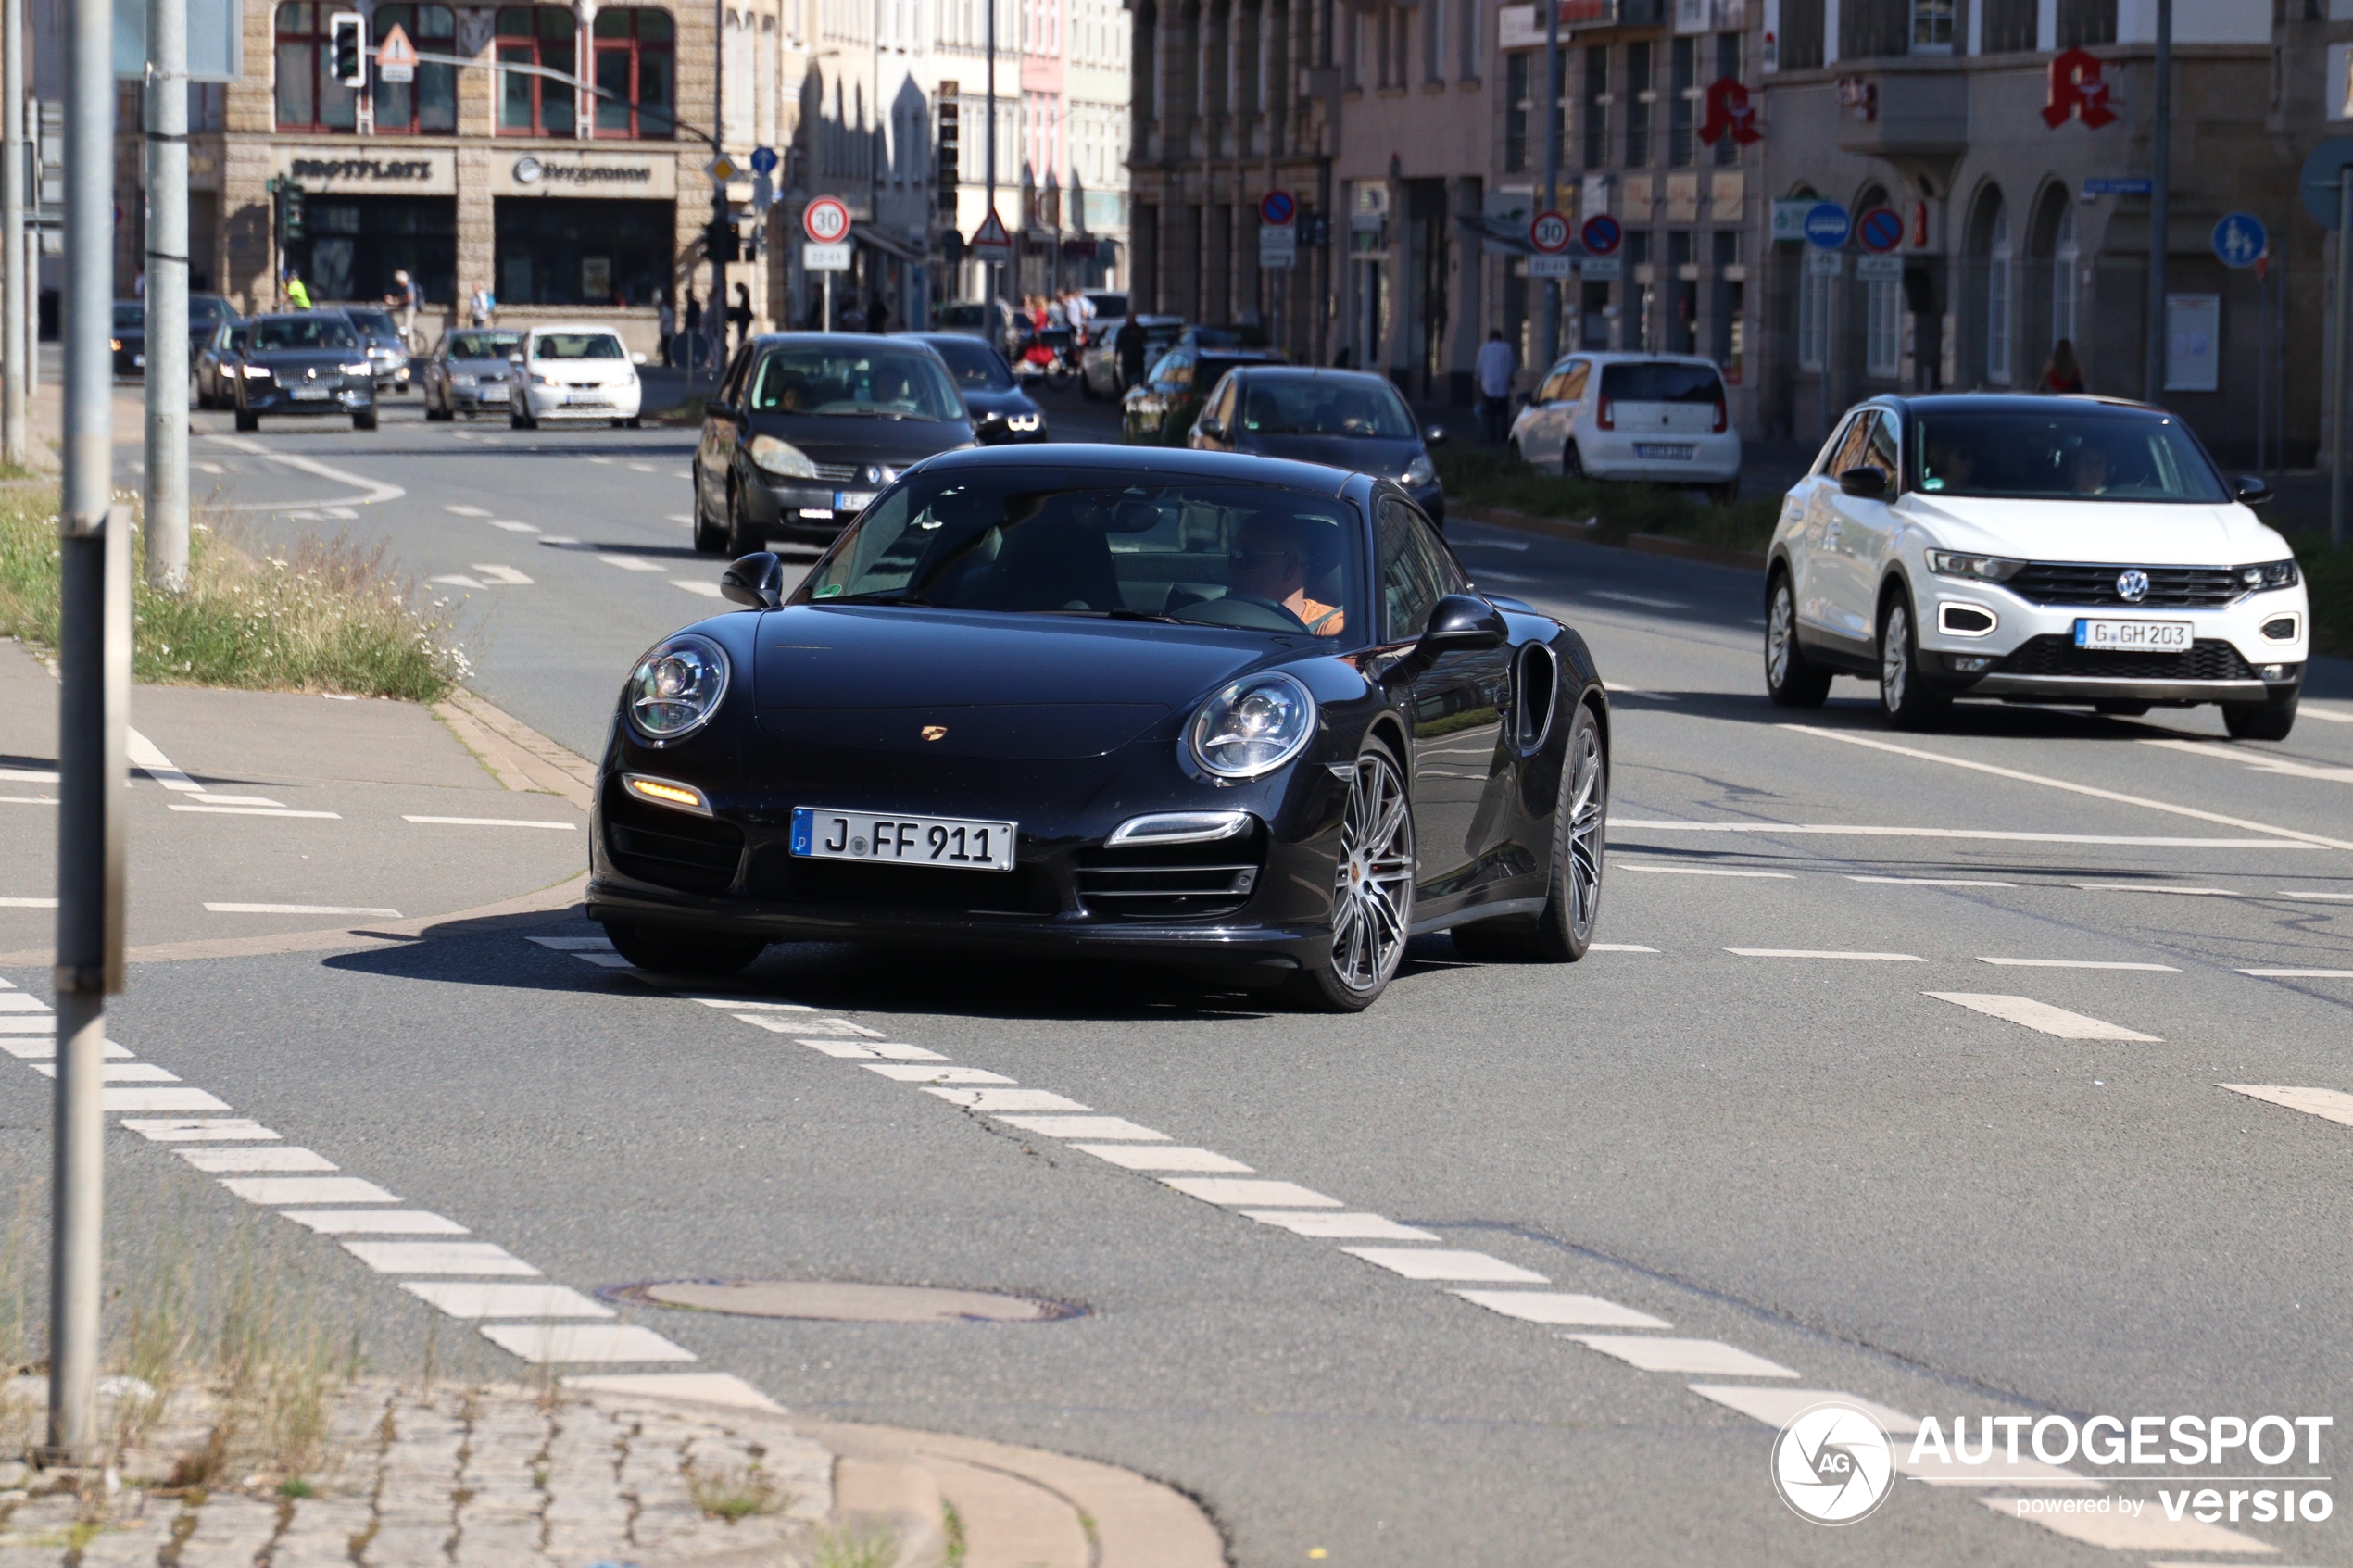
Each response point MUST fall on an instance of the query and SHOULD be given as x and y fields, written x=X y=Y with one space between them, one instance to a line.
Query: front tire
x=364 y=421
x=742 y=537
x=248 y=422
x=1572 y=461
x=670 y=950
x=1906 y=700
x=1564 y=931
x=1372 y=891
x=1790 y=680
x=2269 y=720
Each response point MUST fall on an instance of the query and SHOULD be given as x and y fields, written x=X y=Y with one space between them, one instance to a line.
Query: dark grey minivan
x=1350 y=420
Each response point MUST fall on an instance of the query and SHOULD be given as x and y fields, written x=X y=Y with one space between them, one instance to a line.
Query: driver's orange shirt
x=1322 y=619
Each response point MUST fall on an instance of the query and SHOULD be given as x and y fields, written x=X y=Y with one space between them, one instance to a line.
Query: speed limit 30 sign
x=1549 y=231
x=825 y=219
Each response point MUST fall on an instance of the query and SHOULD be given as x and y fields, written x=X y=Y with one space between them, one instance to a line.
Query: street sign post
x=1551 y=266
x=1827 y=226
x=817 y=256
x=1549 y=232
x=1880 y=230
x=1277 y=209
x=1600 y=235
x=825 y=221
x=991 y=236
x=764 y=160
x=395 y=56
x=721 y=170
x=1601 y=269
x=2240 y=239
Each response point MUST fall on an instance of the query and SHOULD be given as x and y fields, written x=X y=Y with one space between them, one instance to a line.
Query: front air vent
x=670 y=849
x=1171 y=881
x=2280 y=629
x=1535 y=689
x=1964 y=620
x=2054 y=654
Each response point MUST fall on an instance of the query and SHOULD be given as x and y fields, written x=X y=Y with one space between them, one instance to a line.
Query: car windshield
x=130 y=315
x=958 y=315
x=377 y=323
x=1661 y=380
x=239 y=337
x=576 y=345
x=205 y=308
x=1323 y=405
x=1108 y=305
x=1026 y=542
x=482 y=346
x=2063 y=454
x=869 y=381
x=974 y=365
x=303 y=332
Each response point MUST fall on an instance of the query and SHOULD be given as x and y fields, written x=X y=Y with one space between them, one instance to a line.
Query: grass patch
x=736 y=1492
x=849 y=1546
x=1488 y=476
x=2328 y=581
x=326 y=616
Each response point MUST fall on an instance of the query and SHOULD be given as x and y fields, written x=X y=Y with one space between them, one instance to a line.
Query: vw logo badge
x=2133 y=585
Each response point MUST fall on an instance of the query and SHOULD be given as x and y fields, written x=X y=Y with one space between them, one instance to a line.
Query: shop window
x=309 y=98
x=430 y=103
x=535 y=35
x=2082 y=23
x=583 y=252
x=637 y=73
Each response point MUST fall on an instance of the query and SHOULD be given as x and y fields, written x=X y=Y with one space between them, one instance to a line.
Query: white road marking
x=2077 y=964
x=1617 y=690
x=17 y=1001
x=492 y=822
x=696 y=585
x=27 y=800
x=148 y=758
x=1619 y=947
x=1930 y=881
x=848 y=1050
x=121 y=1072
x=561 y=542
x=1162 y=1157
x=2258 y=761
x=375 y=1221
x=256 y=811
x=1494 y=574
x=459 y=580
x=1707 y=1358
x=1995 y=835
x=937 y=1074
x=28 y=903
x=605 y=961
x=2329 y=715
x=837 y=1026
x=2149 y=1530
x=512 y=526
x=2041 y=1016
x=2000 y=1471
x=2154 y=887
x=273 y=1192
x=28 y=775
x=466 y=1299
x=1643 y=599
x=688 y=517
x=1337 y=1227
x=2318 y=898
x=207 y=467
x=437 y=1258
x=1240 y=1192
x=1779 y=1407
x=602 y=462
x=703 y=1387
x=464 y=511
x=2049 y=783
x=1623 y=865
x=1810 y=953
x=642 y=468
x=501 y=576
x=284 y=1157
x=543 y=1343
x=1006 y=1100
x=159 y=1099
x=633 y=563
x=1446 y=1263
x=2299 y=973
x=342 y=514
x=302 y=909
x=1562 y=1309
x=1083 y=1126
x=373 y=491
x=681 y=473
x=2334 y=1105
x=190 y=1129
x=1520 y=544
x=604 y=944
x=44 y=1047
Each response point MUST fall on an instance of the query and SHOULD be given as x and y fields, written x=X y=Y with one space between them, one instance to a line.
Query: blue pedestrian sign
x=2240 y=239
x=764 y=160
x=1827 y=225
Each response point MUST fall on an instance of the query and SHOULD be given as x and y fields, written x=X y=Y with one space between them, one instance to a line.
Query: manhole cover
x=839 y=1301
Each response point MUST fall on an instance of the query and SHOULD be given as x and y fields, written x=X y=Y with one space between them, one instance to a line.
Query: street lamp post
x=166 y=488
x=15 y=289
x=2161 y=201
x=1551 y=341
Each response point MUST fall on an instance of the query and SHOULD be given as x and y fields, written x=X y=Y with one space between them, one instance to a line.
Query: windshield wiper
x=877 y=598
x=1123 y=614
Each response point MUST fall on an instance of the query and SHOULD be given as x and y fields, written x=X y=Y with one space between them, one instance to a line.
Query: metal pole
x=2160 y=202
x=2338 y=445
x=94 y=669
x=166 y=490
x=1551 y=339
x=15 y=292
x=991 y=280
x=719 y=187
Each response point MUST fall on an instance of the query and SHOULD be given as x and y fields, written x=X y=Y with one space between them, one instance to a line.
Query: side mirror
x=637 y=358
x=1461 y=623
x=1211 y=426
x=755 y=582
x=2253 y=492
x=719 y=408
x=1433 y=435
x=1869 y=483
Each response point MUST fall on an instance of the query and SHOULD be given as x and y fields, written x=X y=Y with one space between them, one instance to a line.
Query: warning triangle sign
x=991 y=232
x=395 y=56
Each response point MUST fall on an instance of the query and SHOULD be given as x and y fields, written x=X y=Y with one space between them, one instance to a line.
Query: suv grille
x=779 y=876
x=671 y=848
x=1170 y=882
x=2052 y=653
x=2171 y=587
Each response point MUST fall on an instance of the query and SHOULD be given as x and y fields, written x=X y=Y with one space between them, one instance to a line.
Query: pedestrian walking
x=484 y=307
x=1128 y=344
x=739 y=315
x=666 y=322
x=2061 y=372
x=694 y=331
x=405 y=299
x=297 y=293
x=878 y=315
x=1496 y=367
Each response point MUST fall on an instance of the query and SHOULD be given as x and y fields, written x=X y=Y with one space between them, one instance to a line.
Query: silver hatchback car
x=468 y=372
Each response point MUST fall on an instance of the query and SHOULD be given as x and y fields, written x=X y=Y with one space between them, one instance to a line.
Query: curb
x=1588 y=534
x=518 y=756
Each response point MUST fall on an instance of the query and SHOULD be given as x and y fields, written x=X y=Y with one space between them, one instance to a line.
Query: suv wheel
x=1909 y=700
x=1791 y=679
x=2269 y=720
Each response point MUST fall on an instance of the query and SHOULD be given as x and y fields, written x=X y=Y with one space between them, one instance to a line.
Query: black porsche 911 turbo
x=1224 y=713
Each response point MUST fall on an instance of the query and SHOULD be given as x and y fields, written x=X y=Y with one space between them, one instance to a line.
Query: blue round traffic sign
x=1601 y=235
x=1880 y=229
x=1827 y=225
x=2240 y=239
x=1276 y=209
x=764 y=160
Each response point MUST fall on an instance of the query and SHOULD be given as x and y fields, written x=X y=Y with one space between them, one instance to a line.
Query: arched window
x=1997 y=299
x=430 y=103
x=637 y=61
x=535 y=35
x=1883 y=310
x=309 y=98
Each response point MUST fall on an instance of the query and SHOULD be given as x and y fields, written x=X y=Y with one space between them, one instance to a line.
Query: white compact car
x=1661 y=418
x=2079 y=550
x=565 y=372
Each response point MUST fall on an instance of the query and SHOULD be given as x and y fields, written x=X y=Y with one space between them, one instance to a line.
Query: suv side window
x=1883 y=452
x=1555 y=381
x=1851 y=451
x=1828 y=462
x=1416 y=570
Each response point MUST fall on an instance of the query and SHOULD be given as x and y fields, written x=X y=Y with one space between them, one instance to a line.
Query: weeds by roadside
x=325 y=616
x=848 y=1546
x=1487 y=476
x=732 y=1492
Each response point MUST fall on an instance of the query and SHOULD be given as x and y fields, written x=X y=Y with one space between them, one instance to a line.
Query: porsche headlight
x=1983 y=569
x=1253 y=726
x=782 y=457
x=676 y=688
x=1421 y=471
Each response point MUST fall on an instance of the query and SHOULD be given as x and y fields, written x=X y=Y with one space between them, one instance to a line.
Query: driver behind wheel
x=1269 y=562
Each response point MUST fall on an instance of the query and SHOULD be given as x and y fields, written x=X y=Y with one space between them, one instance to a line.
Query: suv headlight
x=781 y=457
x=1981 y=569
x=1253 y=726
x=2271 y=574
x=676 y=688
x=1421 y=471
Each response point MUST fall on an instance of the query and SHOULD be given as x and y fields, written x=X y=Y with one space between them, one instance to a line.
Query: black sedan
x=809 y=426
x=308 y=362
x=127 y=339
x=1341 y=419
x=1161 y=409
x=994 y=400
x=1221 y=712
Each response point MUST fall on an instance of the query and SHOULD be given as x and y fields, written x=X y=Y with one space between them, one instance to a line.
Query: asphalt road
x=1902 y=1072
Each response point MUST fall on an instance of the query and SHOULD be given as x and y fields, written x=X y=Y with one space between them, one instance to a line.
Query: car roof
x=1280 y=370
x=537 y=328
x=1630 y=357
x=1991 y=402
x=772 y=339
x=1080 y=457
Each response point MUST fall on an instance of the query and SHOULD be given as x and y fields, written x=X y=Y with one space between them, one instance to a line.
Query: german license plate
x=2134 y=636
x=1670 y=451
x=312 y=394
x=959 y=843
x=586 y=400
x=852 y=501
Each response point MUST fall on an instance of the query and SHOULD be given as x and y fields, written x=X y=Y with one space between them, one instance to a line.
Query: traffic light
x=945 y=166
x=290 y=213
x=721 y=242
x=348 y=48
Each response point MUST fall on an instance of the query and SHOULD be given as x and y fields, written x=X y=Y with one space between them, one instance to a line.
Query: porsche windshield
x=2063 y=455
x=1247 y=556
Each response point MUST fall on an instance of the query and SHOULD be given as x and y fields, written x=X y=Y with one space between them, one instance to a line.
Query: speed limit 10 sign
x=825 y=221
x=1548 y=232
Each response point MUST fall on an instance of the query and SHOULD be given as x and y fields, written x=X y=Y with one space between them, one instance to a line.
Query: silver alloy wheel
x=1588 y=813
x=1372 y=889
x=1895 y=658
x=1781 y=630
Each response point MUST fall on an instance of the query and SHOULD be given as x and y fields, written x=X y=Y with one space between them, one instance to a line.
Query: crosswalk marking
x=279 y=1158
x=375 y=1221
x=469 y=1298
x=2041 y=1016
x=1321 y=1226
x=1240 y=1192
x=541 y=1343
x=437 y=1258
x=273 y=1192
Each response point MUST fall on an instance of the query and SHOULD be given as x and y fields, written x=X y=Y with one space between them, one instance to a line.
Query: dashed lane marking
x=1516 y=545
x=543 y=1343
x=119 y=1073
x=44 y=1048
x=463 y=510
x=1619 y=947
x=911 y=1074
x=512 y=526
x=1237 y=1192
x=633 y=563
x=1645 y=600
x=2042 y=1017
x=2155 y=887
x=2316 y=897
x=159 y=1099
x=1561 y=1309
x=643 y=467
x=302 y=909
x=279 y=1192
x=696 y=586
x=1445 y=1263
x=2258 y=761
x=1932 y=881
x=1314 y=1222
x=438 y=1258
x=2299 y=973
x=1098 y=1127
x=1812 y=953
x=1706 y=1358
x=502 y=576
x=1005 y=1100
x=1162 y=1157
x=278 y=1158
x=1623 y=865
x=376 y=1222
x=253 y=811
x=465 y=1299
x=2076 y=963
x=492 y=822
x=196 y=1129
x=2333 y=1105
x=1779 y=1407
x=2000 y=836
x=2000 y=1470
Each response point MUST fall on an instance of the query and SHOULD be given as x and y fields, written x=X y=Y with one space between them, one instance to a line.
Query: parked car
x=807 y=427
x=1161 y=412
x=2035 y=549
x=206 y=312
x=468 y=373
x=1219 y=713
x=387 y=350
x=1662 y=417
x=568 y=371
x=215 y=367
x=992 y=397
x=306 y=362
x=1099 y=365
x=967 y=317
x=128 y=338
x=1350 y=420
